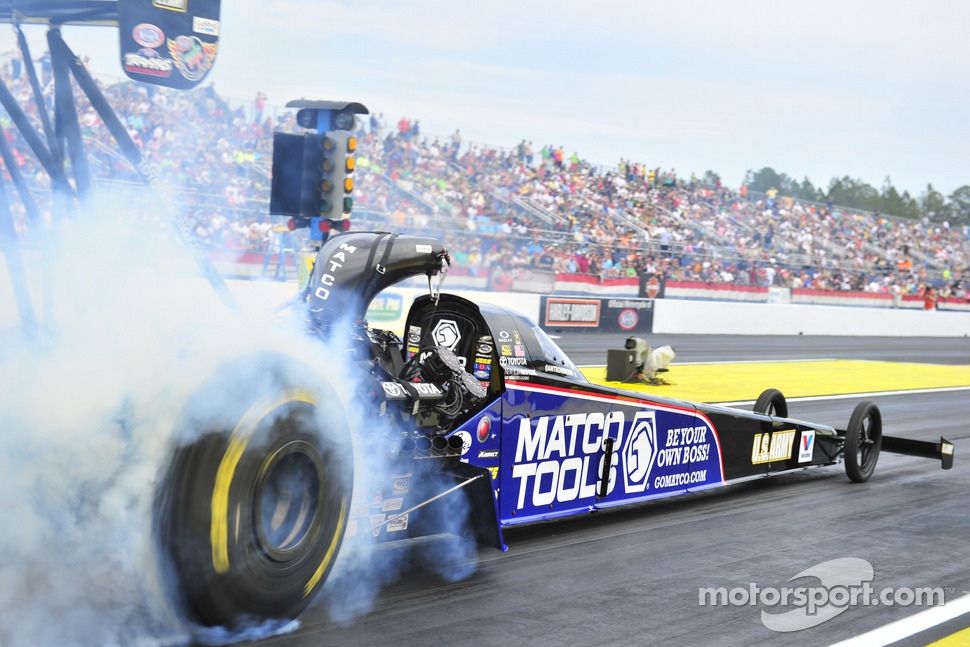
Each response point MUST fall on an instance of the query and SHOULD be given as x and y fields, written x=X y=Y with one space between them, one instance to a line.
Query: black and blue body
x=550 y=442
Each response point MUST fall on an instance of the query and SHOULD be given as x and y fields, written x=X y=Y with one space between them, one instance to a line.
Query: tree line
x=855 y=194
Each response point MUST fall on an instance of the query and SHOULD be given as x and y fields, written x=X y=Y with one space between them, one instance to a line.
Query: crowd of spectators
x=624 y=221
x=525 y=206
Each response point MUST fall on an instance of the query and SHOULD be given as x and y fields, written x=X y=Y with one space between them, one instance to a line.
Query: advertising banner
x=609 y=315
x=652 y=286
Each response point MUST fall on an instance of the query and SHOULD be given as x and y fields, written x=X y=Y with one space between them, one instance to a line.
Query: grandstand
x=498 y=206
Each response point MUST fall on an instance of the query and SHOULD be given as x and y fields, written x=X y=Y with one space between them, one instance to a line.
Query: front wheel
x=252 y=509
x=863 y=440
x=772 y=403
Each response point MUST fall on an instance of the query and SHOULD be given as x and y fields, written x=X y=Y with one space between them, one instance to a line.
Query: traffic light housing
x=286 y=191
x=335 y=182
x=312 y=179
x=313 y=175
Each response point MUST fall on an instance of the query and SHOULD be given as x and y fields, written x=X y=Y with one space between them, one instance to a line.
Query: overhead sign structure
x=172 y=43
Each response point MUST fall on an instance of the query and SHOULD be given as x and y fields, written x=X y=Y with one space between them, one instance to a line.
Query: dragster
x=477 y=403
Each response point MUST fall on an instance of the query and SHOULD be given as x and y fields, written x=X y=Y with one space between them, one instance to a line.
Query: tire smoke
x=86 y=427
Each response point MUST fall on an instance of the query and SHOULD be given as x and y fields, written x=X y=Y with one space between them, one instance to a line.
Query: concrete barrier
x=723 y=318
x=670 y=315
x=673 y=315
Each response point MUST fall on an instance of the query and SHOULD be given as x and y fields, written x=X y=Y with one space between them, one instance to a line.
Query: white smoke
x=86 y=428
x=86 y=421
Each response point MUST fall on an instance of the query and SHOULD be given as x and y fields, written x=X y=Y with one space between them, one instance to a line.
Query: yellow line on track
x=731 y=382
x=959 y=639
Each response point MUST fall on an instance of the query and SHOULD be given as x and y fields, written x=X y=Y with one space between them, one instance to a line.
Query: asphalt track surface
x=632 y=576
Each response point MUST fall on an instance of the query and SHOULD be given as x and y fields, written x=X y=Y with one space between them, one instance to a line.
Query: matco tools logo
x=446 y=334
x=640 y=451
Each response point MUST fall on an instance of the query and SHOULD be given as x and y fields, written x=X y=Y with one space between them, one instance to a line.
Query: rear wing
x=942 y=450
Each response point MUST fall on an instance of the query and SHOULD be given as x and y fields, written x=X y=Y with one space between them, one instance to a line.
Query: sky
x=863 y=88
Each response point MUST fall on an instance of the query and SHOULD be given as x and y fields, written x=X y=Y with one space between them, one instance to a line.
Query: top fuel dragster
x=477 y=402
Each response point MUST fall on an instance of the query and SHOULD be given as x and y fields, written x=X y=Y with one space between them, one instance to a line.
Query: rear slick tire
x=252 y=509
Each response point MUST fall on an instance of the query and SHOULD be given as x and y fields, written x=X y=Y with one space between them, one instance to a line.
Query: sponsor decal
x=483 y=363
x=494 y=472
x=446 y=334
x=573 y=312
x=640 y=451
x=148 y=35
x=386 y=307
x=150 y=65
x=480 y=374
x=398 y=523
x=414 y=338
x=512 y=361
x=561 y=458
x=684 y=446
x=516 y=337
x=522 y=371
x=401 y=486
x=806 y=446
x=559 y=370
x=330 y=267
x=205 y=26
x=504 y=336
x=489 y=453
x=423 y=249
x=393 y=390
x=628 y=319
x=392 y=505
x=653 y=287
x=484 y=349
x=377 y=522
x=632 y=304
x=506 y=350
x=519 y=350
x=425 y=388
x=192 y=56
x=772 y=446
x=174 y=5
x=485 y=339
